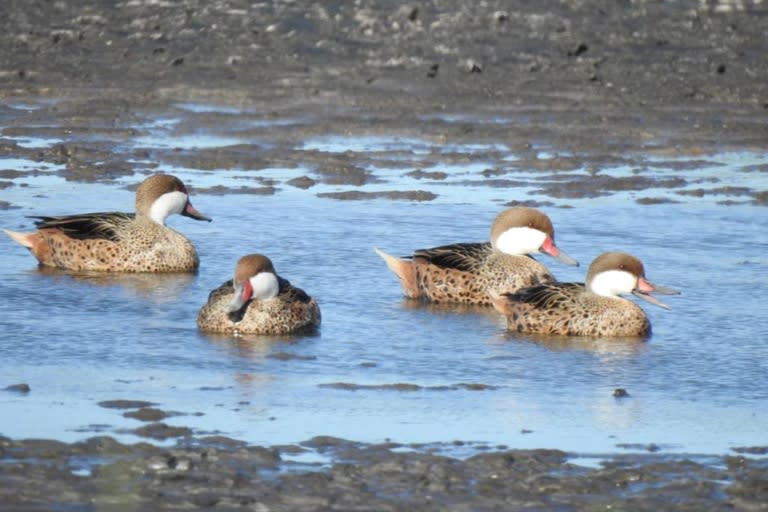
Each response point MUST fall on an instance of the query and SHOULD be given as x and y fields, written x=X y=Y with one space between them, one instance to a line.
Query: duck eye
x=530 y=224
x=622 y=266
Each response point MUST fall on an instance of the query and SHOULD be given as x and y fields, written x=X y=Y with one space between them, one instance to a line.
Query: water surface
x=382 y=367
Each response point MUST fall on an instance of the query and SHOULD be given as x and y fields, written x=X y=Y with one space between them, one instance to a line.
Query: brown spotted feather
x=114 y=241
x=502 y=273
x=292 y=311
x=88 y=226
x=466 y=257
x=466 y=273
x=119 y=244
x=569 y=309
x=549 y=296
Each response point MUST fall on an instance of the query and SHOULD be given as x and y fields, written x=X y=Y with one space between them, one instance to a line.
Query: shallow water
x=699 y=384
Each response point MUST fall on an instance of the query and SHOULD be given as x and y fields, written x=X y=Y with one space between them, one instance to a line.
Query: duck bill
x=549 y=247
x=664 y=290
x=649 y=298
x=644 y=289
x=191 y=212
x=242 y=295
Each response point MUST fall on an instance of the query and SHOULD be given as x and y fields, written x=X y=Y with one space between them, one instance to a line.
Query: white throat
x=519 y=241
x=612 y=283
x=265 y=286
x=167 y=204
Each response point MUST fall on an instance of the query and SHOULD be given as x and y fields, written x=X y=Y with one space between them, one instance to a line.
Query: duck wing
x=290 y=293
x=468 y=257
x=548 y=296
x=223 y=294
x=101 y=225
x=225 y=290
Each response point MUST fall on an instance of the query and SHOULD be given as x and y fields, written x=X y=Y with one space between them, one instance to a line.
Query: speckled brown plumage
x=575 y=309
x=466 y=272
x=113 y=241
x=290 y=311
x=569 y=309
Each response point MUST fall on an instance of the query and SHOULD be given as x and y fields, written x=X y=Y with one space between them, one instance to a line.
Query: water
x=698 y=385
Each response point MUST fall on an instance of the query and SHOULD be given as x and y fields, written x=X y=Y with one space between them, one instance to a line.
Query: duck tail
x=405 y=270
x=35 y=243
x=500 y=302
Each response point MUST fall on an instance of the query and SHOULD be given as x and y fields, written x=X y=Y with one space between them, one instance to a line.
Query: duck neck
x=168 y=204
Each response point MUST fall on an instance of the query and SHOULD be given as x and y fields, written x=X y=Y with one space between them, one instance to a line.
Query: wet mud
x=600 y=81
x=326 y=473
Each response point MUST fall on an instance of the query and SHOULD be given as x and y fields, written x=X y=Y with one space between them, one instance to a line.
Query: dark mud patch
x=755 y=168
x=302 y=182
x=601 y=185
x=287 y=356
x=620 y=393
x=493 y=183
x=221 y=190
x=761 y=198
x=650 y=447
x=548 y=164
x=427 y=175
x=404 y=386
x=125 y=404
x=160 y=431
x=22 y=388
x=95 y=428
x=397 y=195
x=214 y=388
x=655 y=200
x=344 y=174
x=149 y=414
x=752 y=450
x=682 y=165
x=91 y=163
x=9 y=174
x=245 y=157
x=228 y=474
x=533 y=204
x=726 y=191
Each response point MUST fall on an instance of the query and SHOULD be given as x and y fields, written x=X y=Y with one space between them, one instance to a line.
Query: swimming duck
x=258 y=301
x=120 y=242
x=594 y=309
x=465 y=272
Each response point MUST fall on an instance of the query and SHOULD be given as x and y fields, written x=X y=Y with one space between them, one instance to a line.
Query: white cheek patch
x=167 y=204
x=520 y=241
x=265 y=286
x=612 y=283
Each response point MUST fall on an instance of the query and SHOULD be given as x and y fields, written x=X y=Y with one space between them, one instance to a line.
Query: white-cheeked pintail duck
x=258 y=301
x=466 y=272
x=593 y=309
x=120 y=242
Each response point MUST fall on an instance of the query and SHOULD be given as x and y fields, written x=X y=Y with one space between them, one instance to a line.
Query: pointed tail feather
x=500 y=302
x=25 y=239
x=405 y=270
x=32 y=241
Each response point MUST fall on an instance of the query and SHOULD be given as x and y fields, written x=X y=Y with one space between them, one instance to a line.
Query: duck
x=463 y=273
x=258 y=301
x=116 y=241
x=594 y=308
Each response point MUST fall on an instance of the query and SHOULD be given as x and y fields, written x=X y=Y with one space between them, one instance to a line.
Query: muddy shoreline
x=597 y=81
x=594 y=84
x=586 y=77
x=225 y=474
